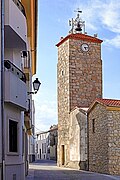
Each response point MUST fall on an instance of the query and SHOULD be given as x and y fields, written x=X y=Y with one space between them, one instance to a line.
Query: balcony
x=20 y=6
x=15 y=86
x=26 y=63
x=15 y=24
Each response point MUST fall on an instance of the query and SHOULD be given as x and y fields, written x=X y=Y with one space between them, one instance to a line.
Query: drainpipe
x=2 y=88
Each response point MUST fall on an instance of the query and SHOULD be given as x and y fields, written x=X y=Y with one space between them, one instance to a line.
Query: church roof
x=109 y=102
x=79 y=36
x=105 y=102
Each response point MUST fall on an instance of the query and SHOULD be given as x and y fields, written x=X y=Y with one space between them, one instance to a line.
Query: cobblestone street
x=47 y=170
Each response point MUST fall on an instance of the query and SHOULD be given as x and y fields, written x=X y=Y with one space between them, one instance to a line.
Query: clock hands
x=85 y=47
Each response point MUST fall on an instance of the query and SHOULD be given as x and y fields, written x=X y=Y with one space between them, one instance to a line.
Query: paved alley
x=47 y=170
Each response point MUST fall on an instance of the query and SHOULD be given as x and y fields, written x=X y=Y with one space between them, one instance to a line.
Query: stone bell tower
x=79 y=75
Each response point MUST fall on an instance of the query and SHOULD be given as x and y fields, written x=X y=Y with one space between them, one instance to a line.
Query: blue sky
x=101 y=17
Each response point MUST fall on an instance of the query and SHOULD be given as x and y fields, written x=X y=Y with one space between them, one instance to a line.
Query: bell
x=78 y=28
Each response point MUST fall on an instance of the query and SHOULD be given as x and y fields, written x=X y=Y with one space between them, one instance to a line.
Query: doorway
x=40 y=153
x=63 y=154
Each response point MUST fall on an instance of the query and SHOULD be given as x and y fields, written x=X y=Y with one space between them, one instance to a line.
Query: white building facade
x=42 y=146
x=46 y=144
x=32 y=138
x=19 y=66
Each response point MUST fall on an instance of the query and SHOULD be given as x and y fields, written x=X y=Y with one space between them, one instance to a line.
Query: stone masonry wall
x=79 y=77
x=114 y=142
x=104 y=143
x=78 y=139
x=63 y=101
x=85 y=73
x=98 y=140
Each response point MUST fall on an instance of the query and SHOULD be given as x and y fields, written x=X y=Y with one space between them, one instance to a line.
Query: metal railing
x=20 y=6
x=15 y=70
x=26 y=59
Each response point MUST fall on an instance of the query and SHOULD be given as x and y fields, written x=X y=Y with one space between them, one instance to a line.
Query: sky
x=101 y=17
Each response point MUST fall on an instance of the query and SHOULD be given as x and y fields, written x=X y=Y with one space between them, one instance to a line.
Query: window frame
x=13 y=152
x=93 y=126
x=43 y=148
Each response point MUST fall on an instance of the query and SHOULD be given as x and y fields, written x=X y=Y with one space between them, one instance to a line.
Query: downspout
x=2 y=88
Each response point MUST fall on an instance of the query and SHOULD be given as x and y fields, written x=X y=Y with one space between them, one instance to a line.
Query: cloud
x=45 y=111
x=113 y=42
x=102 y=15
x=110 y=16
x=96 y=12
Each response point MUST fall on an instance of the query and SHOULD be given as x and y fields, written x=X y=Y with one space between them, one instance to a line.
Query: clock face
x=85 y=47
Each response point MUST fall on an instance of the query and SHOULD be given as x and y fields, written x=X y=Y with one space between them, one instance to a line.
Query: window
x=13 y=136
x=43 y=147
x=63 y=154
x=93 y=125
x=37 y=148
x=48 y=150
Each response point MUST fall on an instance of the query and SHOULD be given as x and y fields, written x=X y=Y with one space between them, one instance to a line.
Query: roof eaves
x=79 y=36
x=96 y=101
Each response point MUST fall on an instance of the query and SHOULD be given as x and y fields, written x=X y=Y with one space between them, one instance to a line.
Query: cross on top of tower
x=78 y=26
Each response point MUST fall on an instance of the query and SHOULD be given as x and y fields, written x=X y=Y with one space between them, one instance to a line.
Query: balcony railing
x=15 y=70
x=20 y=6
x=26 y=59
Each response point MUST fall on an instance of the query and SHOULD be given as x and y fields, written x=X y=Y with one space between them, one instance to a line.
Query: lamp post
x=36 y=85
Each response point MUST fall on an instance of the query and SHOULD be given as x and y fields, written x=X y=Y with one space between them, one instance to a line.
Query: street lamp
x=36 y=85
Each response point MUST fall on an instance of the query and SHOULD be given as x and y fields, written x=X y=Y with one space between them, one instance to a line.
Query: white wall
x=42 y=138
x=32 y=138
x=15 y=19
x=14 y=161
x=14 y=55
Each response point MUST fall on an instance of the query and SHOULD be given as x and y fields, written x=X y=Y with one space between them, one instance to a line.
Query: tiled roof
x=105 y=102
x=78 y=36
x=109 y=102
